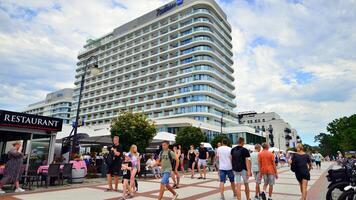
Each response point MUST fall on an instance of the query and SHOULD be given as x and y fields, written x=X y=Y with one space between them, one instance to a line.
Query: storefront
x=37 y=133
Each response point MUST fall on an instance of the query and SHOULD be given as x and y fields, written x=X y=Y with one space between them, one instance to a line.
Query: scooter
x=339 y=179
x=350 y=190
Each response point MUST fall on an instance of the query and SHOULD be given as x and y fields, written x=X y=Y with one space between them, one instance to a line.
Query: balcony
x=288 y=137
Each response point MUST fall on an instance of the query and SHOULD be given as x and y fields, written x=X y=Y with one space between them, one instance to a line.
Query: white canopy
x=160 y=136
x=207 y=145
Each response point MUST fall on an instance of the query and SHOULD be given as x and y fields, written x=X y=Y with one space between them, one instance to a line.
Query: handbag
x=293 y=166
x=109 y=159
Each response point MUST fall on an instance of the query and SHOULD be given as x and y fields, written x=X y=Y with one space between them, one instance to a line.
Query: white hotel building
x=174 y=64
x=57 y=104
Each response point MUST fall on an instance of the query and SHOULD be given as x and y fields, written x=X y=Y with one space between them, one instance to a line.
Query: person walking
x=255 y=167
x=203 y=156
x=268 y=170
x=114 y=162
x=181 y=159
x=192 y=155
x=318 y=157
x=136 y=165
x=12 y=171
x=165 y=160
x=242 y=167
x=175 y=174
x=223 y=154
x=301 y=164
x=216 y=160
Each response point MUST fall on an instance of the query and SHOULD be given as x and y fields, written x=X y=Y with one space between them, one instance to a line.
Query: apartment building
x=281 y=134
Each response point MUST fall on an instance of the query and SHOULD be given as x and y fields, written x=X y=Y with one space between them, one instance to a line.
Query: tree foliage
x=219 y=138
x=190 y=136
x=341 y=137
x=133 y=128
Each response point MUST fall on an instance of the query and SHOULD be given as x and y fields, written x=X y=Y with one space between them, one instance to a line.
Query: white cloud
x=295 y=59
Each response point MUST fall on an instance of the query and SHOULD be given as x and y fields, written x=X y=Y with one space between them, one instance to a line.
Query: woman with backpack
x=301 y=164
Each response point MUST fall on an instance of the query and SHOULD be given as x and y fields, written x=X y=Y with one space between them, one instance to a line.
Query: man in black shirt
x=114 y=162
x=242 y=167
x=203 y=155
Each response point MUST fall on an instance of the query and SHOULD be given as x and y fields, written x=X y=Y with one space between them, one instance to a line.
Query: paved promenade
x=286 y=188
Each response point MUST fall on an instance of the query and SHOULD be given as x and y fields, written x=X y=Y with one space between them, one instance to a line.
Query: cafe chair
x=30 y=177
x=67 y=173
x=54 y=171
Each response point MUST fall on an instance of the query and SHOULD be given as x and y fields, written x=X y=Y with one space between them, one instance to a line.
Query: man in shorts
x=255 y=167
x=116 y=151
x=242 y=167
x=317 y=157
x=268 y=170
x=203 y=155
x=165 y=160
x=223 y=154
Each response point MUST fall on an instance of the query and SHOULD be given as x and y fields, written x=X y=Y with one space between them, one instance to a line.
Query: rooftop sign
x=168 y=7
x=22 y=120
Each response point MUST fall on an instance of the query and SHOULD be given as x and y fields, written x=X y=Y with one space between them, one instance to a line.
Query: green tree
x=327 y=143
x=133 y=128
x=219 y=138
x=190 y=136
x=341 y=137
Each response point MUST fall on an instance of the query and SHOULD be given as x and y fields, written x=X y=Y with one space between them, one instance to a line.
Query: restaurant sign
x=168 y=7
x=22 y=120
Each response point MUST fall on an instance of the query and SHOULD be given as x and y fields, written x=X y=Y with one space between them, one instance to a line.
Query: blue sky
x=294 y=57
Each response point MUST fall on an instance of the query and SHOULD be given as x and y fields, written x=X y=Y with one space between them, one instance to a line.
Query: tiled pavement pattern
x=286 y=188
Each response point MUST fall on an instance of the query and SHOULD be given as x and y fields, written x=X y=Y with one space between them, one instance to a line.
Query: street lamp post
x=221 y=122
x=94 y=71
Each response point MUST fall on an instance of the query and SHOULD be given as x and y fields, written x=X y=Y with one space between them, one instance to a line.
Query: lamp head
x=94 y=70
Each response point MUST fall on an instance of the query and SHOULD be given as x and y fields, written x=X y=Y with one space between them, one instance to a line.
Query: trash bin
x=78 y=175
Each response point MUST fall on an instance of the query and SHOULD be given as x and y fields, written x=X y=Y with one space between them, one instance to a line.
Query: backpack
x=237 y=159
x=173 y=161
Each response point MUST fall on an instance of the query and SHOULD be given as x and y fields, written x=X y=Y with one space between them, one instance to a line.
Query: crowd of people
x=236 y=164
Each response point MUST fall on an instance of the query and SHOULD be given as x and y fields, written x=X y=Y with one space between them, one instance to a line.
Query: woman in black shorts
x=192 y=154
x=302 y=165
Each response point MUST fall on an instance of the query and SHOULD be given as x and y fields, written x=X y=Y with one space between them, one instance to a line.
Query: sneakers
x=269 y=198
x=2 y=191
x=257 y=198
x=263 y=196
x=222 y=197
x=175 y=196
x=19 y=190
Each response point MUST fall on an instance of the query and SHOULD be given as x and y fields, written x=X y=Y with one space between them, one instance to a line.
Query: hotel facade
x=57 y=104
x=174 y=64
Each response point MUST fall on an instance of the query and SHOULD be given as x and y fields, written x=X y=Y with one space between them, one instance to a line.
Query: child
x=126 y=172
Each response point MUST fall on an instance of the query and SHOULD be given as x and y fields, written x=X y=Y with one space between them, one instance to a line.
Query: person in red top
x=268 y=170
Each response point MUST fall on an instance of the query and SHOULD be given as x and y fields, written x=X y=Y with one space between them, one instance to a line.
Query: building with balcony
x=173 y=62
x=281 y=134
x=57 y=104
